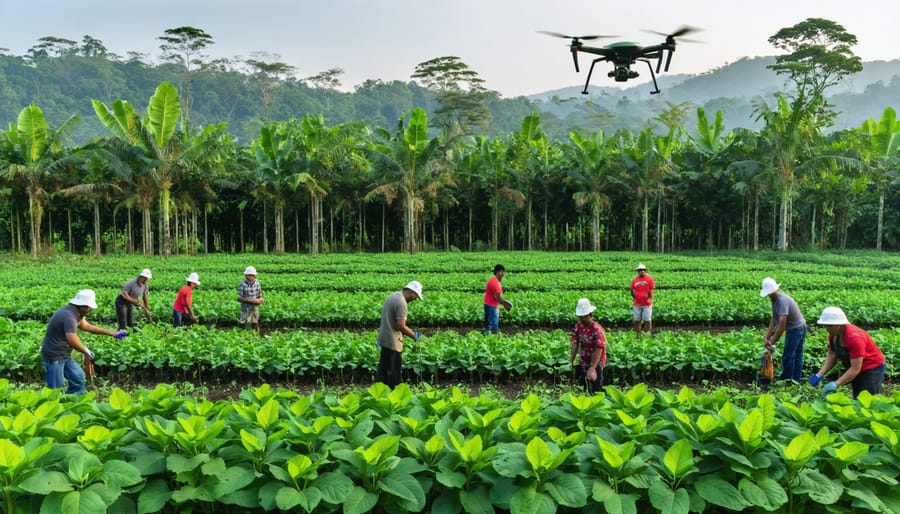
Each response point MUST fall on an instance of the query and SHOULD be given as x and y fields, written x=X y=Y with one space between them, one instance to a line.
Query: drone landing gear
x=652 y=76
x=588 y=81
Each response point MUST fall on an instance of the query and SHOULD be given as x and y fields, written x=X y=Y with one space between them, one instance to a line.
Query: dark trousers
x=869 y=380
x=390 y=363
x=124 y=313
x=591 y=387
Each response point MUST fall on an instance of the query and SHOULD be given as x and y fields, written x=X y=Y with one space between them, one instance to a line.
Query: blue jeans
x=491 y=319
x=181 y=318
x=68 y=369
x=792 y=356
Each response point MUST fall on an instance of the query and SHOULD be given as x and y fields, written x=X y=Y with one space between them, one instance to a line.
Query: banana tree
x=881 y=150
x=405 y=160
x=166 y=151
x=646 y=160
x=33 y=154
x=592 y=176
x=278 y=162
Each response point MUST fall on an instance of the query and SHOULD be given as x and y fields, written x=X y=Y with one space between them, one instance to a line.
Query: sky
x=386 y=39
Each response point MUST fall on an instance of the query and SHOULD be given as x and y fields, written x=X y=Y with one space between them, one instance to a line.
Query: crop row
x=443 y=451
x=878 y=307
x=528 y=271
x=342 y=356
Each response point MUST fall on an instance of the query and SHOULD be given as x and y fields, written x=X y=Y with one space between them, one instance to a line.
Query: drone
x=623 y=54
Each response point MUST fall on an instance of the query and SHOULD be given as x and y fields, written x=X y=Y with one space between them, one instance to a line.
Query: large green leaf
x=154 y=496
x=334 y=486
x=476 y=501
x=403 y=486
x=359 y=501
x=820 y=488
x=34 y=133
x=529 y=501
x=679 y=458
x=567 y=489
x=719 y=492
x=163 y=114
x=668 y=501
x=46 y=482
x=764 y=493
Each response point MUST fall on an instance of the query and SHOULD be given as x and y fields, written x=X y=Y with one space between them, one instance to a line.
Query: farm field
x=295 y=423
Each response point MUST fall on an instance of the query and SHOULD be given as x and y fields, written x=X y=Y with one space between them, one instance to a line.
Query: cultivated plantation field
x=300 y=426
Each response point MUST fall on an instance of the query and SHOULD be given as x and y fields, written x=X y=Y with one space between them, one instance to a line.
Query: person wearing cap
x=183 y=309
x=392 y=331
x=786 y=320
x=135 y=293
x=857 y=351
x=493 y=299
x=61 y=338
x=589 y=342
x=249 y=294
x=642 y=287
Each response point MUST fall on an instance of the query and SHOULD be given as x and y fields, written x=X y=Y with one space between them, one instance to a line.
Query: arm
x=401 y=326
x=779 y=329
x=574 y=351
x=502 y=301
x=851 y=373
x=130 y=299
x=830 y=360
x=595 y=361
x=75 y=342
x=87 y=327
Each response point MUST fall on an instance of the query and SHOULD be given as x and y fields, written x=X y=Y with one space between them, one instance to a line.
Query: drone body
x=623 y=54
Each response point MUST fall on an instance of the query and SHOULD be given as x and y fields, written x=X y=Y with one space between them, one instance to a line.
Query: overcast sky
x=385 y=39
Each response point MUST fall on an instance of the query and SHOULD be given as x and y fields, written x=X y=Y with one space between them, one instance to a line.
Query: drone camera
x=622 y=74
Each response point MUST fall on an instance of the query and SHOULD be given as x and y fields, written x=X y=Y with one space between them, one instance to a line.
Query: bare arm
x=502 y=301
x=87 y=327
x=401 y=325
x=851 y=373
x=829 y=363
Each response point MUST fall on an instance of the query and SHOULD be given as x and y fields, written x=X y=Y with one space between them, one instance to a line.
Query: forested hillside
x=110 y=154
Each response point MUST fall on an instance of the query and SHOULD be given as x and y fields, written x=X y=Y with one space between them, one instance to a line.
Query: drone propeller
x=684 y=29
x=573 y=38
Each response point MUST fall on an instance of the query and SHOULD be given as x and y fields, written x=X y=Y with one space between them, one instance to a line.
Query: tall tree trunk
x=595 y=229
x=97 y=250
x=812 y=229
x=880 y=221
x=410 y=225
x=645 y=217
x=167 y=242
x=528 y=224
x=69 y=224
x=279 y=227
x=35 y=212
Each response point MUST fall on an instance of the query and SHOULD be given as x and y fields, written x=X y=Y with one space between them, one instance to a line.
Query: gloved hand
x=121 y=334
x=415 y=336
x=830 y=387
x=814 y=380
x=89 y=354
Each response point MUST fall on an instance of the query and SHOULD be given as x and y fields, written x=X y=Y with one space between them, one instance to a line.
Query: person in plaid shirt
x=249 y=293
x=588 y=341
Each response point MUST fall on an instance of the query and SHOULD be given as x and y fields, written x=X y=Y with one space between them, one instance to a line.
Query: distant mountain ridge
x=732 y=88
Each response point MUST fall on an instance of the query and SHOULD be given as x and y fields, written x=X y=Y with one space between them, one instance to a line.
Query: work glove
x=830 y=387
x=121 y=334
x=415 y=336
x=89 y=354
x=814 y=380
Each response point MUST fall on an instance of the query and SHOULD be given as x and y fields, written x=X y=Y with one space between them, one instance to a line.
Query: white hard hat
x=769 y=286
x=833 y=316
x=193 y=277
x=250 y=271
x=641 y=267
x=85 y=298
x=146 y=273
x=415 y=287
x=584 y=307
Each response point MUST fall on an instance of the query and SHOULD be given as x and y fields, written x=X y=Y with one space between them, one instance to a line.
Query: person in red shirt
x=642 y=287
x=493 y=298
x=183 y=309
x=856 y=350
x=588 y=341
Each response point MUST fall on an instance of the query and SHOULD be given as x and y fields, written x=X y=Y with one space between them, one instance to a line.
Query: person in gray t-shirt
x=390 y=333
x=787 y=320
x=135 y=293
x=61 y=338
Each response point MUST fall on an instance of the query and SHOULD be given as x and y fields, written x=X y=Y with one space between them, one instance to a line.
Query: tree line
x=162 y=181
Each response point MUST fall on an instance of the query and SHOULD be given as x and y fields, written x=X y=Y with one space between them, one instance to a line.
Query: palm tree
x=405 y=159
x=881 y=150
x=167 y=151
x=592 y=176
x=33 y=154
